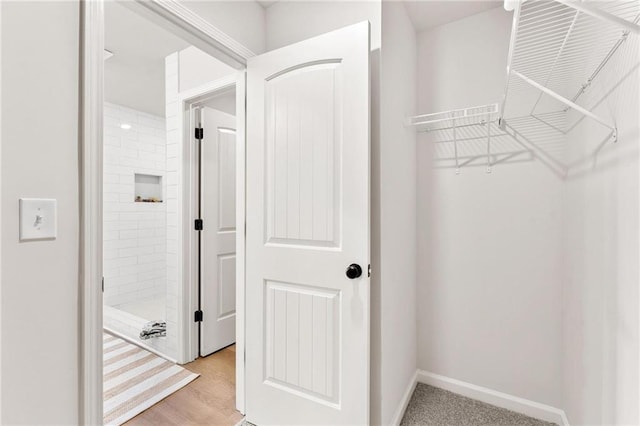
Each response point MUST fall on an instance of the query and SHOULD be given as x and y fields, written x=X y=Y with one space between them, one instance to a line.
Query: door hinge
x=199 y=133
x=369 y=271
x=197 y=317
x=103 y=284
x=199 y=225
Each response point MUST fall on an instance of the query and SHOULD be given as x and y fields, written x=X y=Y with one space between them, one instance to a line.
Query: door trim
x=175 y=17
x=90 y=250
x=188 y=329
x=183 y=22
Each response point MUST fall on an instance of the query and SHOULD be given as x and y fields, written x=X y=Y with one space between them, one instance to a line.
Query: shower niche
x=148 y=188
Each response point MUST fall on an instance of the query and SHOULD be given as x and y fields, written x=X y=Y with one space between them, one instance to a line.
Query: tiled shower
x=135 y=221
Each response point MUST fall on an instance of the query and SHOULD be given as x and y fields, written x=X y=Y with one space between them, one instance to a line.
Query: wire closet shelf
x=558 y=48
x=456 y=119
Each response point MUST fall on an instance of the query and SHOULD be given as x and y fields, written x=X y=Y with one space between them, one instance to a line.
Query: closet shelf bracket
x=584 y=86
x=570 y=104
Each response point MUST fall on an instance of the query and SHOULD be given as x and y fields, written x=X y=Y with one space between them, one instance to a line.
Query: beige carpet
x=135 y=379
x=431 y=406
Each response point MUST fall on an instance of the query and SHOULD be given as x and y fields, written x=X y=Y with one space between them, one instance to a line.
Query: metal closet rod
x=463 y=114
x=558 y=56
x=565 y=101
x=459 y=126
x=613 y=50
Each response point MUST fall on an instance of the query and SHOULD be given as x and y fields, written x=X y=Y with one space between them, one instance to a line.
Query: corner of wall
x=172 y=71
x=404 y=401
x=398 y=197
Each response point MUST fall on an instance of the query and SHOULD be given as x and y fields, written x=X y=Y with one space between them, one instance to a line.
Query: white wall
x=198 y=68
x=40 y=159
x=489 y=245
x=601 y=221
x=241 y=20
x=134 y=75
x=134 y=233
x=397 y=187
x=291 y=21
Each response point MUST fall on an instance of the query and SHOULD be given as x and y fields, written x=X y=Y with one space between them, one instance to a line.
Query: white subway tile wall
x=135 y=233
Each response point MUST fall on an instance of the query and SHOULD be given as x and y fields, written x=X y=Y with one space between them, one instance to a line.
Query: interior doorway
x=326 y=79
x=215 y=132
x=170 y=213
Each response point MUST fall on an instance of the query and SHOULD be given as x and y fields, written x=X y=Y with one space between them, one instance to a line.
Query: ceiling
x=266 y=3
x=428 y=14
x=134 y=75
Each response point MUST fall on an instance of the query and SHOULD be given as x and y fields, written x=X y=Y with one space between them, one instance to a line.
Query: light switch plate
x=38 y=219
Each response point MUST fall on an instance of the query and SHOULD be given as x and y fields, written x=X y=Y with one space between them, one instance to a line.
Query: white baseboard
x=499 y=399
x=404 y=402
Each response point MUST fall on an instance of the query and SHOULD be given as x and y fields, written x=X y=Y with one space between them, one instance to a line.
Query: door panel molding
x=218 y=242
x=226 y=309
x=308 y=133
x=302 y=172
x=313 y=315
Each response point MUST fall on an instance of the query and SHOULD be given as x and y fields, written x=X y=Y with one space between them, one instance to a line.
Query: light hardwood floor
x=208 y=400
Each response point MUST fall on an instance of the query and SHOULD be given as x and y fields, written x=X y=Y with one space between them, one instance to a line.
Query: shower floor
x=150 y=309
x=128 y=319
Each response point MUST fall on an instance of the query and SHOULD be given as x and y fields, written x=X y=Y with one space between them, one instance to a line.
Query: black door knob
x=354 y=271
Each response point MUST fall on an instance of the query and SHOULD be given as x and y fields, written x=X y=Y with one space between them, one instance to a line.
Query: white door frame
x=174 y=16
x=188 y=329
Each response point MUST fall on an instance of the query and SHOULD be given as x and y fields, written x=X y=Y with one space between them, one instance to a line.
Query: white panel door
x=307 y=353
x=218 y=250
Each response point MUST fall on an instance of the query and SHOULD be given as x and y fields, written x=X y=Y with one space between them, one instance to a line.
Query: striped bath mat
x=136 y=379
